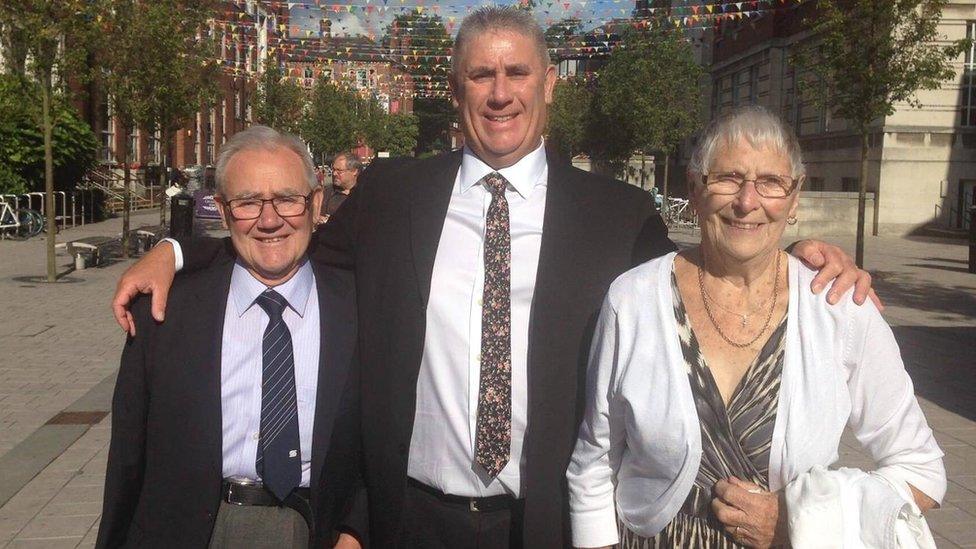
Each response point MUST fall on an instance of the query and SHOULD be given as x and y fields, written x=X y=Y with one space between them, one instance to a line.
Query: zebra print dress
x=735 y=440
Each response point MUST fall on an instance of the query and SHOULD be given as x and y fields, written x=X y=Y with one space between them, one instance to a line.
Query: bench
x=149 y=235
x=91 y=249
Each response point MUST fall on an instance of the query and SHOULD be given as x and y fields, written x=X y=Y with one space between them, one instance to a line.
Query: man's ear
x=316 y=202
x=452 y=84
x=550 y=83
x=223 y=210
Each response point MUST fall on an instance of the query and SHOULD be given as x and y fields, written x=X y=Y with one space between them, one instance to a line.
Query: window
x=850 y=184
x=361 y=79
x=133 y=134
x=736 y=85
x=309 y=73
x=815 y=184
x=969 y=79
x=153 y=144
x=211 y=126
x=753 y=84
x=107 y=153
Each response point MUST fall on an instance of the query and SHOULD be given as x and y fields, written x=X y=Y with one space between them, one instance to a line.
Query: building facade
x=922 y=161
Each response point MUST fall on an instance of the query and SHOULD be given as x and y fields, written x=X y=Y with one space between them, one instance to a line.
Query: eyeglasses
x=768 y=186
x=286 y=206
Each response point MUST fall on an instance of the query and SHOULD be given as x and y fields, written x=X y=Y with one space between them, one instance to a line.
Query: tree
x=413 y=32
x=331 y=125
x=177 y=74
x=568 y=116
x=50 y=39
x=400 y=134
x=650 y=94
x=22 y=142
x=140 y=81
x=279 y=102
x=867 y=56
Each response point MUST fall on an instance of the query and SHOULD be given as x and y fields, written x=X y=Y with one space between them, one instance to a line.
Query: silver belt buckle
x=473 y=505
x=235 y=482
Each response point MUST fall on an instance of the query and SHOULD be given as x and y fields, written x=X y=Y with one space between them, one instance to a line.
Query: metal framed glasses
x=768 y=186
x=285 y=206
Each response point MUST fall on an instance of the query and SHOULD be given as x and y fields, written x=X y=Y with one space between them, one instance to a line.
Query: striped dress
x=735 y=440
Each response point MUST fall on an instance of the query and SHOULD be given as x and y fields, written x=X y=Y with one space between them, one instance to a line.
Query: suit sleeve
x=652 y=238
x=126 y=455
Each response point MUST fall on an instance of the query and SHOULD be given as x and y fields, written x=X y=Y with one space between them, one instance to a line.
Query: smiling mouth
x=495 y=118
x=273 y=240
x=742 y=226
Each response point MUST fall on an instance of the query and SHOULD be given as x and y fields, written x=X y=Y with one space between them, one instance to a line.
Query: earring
x=791 y=220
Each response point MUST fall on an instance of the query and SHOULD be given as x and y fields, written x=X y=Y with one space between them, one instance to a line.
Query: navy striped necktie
x=279 y=457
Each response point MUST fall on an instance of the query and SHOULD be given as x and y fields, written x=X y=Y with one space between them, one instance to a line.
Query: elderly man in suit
x=480 y=273
x=235 y=423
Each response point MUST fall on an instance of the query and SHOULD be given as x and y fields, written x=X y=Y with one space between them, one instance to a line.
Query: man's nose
x=269 y=216
x=501 y=90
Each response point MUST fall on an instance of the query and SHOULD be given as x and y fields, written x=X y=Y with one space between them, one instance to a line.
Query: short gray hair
x=496 y=18
x=265 y=139
x=353 y=162
x=755 y=125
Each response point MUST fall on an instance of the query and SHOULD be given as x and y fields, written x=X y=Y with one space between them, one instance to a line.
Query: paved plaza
x=60 y=350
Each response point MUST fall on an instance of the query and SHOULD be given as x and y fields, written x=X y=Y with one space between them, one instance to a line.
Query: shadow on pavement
x=894 y=290
x=942 y=363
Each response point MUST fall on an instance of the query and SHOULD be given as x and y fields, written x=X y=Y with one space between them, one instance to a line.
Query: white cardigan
x=640 y=441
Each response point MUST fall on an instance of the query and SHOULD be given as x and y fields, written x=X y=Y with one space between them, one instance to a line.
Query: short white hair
x=498 y=18
x=265 y=139
x=755 y=125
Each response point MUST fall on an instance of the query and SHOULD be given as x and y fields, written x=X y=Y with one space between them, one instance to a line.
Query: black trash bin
x=181 y=216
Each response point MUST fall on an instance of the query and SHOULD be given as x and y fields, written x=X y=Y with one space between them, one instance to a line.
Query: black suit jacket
x=163 y=483
x=594 y=229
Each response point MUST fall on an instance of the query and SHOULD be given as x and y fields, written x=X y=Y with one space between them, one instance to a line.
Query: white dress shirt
x=443 y=441
x=640 y=448
x=241 y=367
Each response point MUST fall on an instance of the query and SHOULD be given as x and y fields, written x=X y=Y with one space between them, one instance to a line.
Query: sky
x=370 y=17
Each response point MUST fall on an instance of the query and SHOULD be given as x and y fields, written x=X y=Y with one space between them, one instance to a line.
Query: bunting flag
x=324 y=35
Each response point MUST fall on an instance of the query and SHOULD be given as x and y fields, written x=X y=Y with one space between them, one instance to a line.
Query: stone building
x=922 y=167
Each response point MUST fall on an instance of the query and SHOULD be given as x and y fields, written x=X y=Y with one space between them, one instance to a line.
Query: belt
x=250 y=492
x=485 y=504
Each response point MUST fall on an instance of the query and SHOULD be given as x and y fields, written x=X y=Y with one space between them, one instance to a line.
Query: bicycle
x=19 y=223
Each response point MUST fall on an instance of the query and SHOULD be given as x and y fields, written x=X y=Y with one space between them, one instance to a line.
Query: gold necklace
x=711 y=317
x=743 y=316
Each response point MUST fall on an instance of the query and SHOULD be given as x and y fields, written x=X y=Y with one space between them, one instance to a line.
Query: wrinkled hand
x=835 y=265
x=347 y=541
x=751 y=515
x=153 y=274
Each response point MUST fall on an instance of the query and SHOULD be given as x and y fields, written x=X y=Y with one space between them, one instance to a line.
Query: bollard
x=181 y=216
x=972 y=239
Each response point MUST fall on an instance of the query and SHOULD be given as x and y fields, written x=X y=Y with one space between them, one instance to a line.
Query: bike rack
x=8 y=197
x=30 y=202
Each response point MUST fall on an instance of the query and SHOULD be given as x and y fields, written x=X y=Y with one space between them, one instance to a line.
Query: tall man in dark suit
x=235 y=424
x=480 y=273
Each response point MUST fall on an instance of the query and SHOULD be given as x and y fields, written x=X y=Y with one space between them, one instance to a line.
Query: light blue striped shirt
x=240 y=366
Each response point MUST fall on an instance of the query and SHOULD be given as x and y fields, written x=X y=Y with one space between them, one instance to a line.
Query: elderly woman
x=719 y=382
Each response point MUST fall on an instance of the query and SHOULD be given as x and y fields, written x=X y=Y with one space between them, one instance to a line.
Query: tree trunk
x=163 y=175
x=126 y=190
x=862 y=200
x=877 y=206
x=664 y=184
x=643 y=170
x=52 y=270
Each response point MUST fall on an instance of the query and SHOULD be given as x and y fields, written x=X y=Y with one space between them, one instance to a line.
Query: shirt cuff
x=595 y=528
x=177 y=252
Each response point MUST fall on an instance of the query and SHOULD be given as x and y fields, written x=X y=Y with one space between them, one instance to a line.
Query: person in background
x=346 y=168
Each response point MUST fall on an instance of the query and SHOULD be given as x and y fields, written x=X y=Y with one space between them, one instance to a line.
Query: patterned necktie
x=279 y=458
x=493 y=436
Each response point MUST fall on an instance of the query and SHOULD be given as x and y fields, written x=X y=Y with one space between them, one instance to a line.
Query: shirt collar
x=524 y=175
x=245 y=289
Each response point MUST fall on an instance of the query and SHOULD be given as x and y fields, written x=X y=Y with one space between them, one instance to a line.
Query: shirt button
x=256 y=436
x=481 y=302
x=478 y=358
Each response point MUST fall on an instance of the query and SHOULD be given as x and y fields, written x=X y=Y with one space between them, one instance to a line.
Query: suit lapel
x=203 y=328
x=563 y=229
x=428 y=208
x=337 y=342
